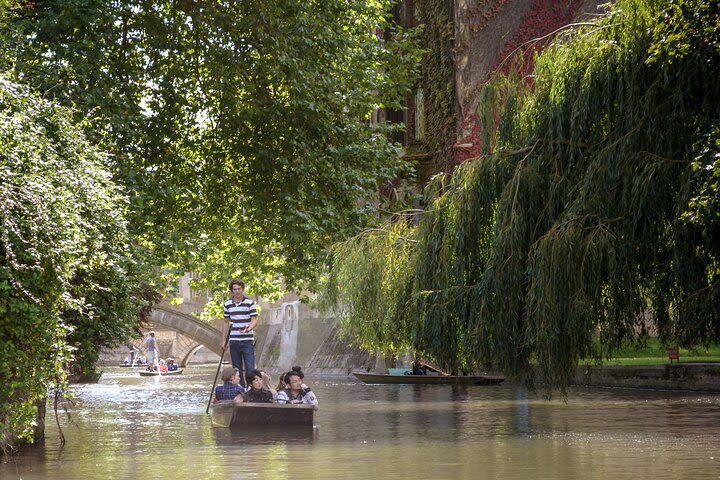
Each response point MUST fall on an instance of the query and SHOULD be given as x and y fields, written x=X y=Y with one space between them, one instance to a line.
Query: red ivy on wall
x=544 y=17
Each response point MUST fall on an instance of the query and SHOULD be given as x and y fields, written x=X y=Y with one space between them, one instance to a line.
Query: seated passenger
x=298 y=369
x=171 y=365
x=256 y=393
x=267 y=384
x=231 y=388
x=162 y=367
x=295 y=393
x=418 y=368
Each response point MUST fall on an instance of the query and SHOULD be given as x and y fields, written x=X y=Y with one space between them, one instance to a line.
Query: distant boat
x=149 y=373
x=431 y=379
x=133 y=366
x=230 y=414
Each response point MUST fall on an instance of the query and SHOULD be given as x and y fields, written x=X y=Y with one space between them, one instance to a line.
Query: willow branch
x=535 y=40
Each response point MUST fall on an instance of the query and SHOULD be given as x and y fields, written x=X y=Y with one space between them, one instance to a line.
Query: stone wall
x=676 y=376
x=293 y=334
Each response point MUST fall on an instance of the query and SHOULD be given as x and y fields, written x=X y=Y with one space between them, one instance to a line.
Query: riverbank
x=701 y=377
x=294 y=334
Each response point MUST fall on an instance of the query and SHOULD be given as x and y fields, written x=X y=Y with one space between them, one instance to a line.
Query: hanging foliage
x=589 y=234
x=372 y=279
x=595 y=210
x=68 y=274
x=455 y=235
x=437 y=82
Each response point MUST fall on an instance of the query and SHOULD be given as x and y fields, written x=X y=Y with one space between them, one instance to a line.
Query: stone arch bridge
x=287 y=334
x=181 y=334
x=194 y=334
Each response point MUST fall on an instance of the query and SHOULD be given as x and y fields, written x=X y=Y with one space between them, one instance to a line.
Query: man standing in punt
x=152 y=355
x=240 y=320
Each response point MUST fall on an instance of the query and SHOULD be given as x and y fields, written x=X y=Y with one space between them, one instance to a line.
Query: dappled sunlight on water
x=128 y=427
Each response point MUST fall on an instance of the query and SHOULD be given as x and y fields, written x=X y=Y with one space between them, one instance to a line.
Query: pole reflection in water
x=129 y=427
x=523 y=411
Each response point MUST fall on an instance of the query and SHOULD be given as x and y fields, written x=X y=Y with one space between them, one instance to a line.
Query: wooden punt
x=238 y=415
x=384 y=378
x=149 y=373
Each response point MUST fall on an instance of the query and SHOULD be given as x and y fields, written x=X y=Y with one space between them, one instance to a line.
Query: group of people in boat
x=141 y=361
x=258 y=389
x=243 y=382
x=163 y=366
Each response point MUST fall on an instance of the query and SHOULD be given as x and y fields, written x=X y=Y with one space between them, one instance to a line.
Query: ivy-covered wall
x=464 y=42
x=437 y=84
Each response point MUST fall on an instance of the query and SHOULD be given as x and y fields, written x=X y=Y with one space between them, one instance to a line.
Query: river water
x=149 y=428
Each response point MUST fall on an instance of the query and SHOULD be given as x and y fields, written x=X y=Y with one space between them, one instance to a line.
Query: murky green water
x=132 y=427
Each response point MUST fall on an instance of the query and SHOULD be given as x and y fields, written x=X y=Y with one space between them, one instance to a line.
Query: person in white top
x=295 y=393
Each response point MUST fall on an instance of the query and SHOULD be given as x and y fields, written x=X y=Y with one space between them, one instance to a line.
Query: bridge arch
x=188 y=353
x=199 y=332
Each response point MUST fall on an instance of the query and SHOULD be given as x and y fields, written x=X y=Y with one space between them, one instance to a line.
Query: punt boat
x=150 y=373
x=430 y=379
x=233 y=415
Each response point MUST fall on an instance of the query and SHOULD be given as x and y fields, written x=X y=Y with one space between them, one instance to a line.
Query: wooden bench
x=673 y=354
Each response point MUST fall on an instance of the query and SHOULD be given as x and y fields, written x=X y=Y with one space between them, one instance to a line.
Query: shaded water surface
x=132 y=427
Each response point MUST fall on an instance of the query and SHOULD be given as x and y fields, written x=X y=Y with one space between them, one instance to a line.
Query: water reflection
x=266 y=436
x=523 y=410
x=126 y=427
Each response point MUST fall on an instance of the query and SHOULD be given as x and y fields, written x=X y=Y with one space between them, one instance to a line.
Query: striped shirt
x=240 y=316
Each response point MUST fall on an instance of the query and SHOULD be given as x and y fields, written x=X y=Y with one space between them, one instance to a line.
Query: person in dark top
x=418 y=368
x=230 y=389
x=171 y=365
x=256 y=392
x=267 y=384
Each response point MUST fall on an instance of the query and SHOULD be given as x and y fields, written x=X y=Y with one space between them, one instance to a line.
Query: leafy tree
x=239 y=129
x=67 y=268
x=690 y=33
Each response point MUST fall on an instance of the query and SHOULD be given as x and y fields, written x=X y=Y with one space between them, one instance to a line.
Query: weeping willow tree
x=407 y=289
x=594 y=209
x=369 y=288
x=589 y=233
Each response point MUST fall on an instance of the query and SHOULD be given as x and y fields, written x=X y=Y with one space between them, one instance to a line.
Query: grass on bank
x=653 y=353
